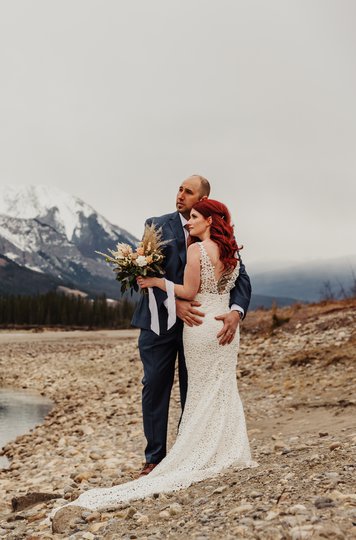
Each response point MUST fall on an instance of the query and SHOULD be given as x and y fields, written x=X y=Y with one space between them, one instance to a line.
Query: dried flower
x=146 y=260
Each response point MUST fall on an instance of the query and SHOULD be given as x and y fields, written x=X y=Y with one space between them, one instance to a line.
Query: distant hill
x=263 y=301
x=306 y=281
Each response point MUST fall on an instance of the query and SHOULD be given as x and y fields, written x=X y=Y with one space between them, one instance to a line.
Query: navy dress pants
x=158 y=355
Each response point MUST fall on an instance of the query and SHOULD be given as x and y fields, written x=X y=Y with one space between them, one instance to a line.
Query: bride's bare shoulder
x=193 y=252
x=193 y=249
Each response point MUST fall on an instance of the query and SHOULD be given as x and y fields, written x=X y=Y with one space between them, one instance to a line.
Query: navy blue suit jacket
x=174 y=263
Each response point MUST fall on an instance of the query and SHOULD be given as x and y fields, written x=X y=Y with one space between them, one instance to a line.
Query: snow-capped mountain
x=55 y=207
x=49 y=231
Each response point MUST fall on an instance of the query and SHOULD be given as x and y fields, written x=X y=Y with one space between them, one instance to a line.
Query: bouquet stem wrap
x=170 y=304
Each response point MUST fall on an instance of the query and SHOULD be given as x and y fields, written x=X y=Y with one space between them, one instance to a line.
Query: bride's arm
x=191 y=280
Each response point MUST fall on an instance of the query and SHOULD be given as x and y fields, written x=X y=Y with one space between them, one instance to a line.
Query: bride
x=212 y=433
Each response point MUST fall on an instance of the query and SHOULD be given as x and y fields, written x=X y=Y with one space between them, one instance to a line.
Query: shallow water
x=19 y=412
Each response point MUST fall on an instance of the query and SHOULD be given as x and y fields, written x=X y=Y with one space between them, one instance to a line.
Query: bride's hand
x=145 y=282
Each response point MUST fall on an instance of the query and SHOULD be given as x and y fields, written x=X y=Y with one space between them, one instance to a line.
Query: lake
x=19 y=412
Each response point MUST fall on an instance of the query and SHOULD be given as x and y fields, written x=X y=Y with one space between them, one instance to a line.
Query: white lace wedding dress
x=212 y=434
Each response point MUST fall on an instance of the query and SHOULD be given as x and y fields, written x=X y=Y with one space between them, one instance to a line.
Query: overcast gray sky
x=117 y=102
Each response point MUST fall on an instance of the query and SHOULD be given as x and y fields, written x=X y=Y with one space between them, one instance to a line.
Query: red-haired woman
x=212 y=434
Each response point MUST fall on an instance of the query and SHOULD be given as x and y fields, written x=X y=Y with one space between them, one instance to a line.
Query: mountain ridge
x=56 y=207
x=57 y=234
x=49 y=231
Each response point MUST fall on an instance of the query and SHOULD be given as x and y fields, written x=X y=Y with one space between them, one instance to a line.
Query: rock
x=271 y=515
x=351 y=497
x=94 y=456
x=130 y=512
x=242 y=509
x=37 y=517
x=94 y=516
x=302 y=532
x=142 y=520
x=9 y=526
x=31 y=499
x=164 y=514
x=220 y=489
x=335 y=445
x=88 y=536
x=333 y=532
x=16 y=534
x=64 y=519
x=86 y=430
x=82 y=476
x=297 y=509
x=292 y=521
x=255 y=494
x=324 y=502
x=95 y=527
x=112 y=525
x=332 y=475
x=175 y=509
x=279 y=445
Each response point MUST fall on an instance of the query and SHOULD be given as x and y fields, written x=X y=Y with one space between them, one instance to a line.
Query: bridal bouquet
x=145 y=260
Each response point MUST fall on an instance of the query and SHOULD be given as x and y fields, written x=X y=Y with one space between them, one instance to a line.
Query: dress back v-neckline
x=211 y=264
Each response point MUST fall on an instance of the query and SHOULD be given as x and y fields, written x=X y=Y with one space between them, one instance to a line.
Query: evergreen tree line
x=54 y=309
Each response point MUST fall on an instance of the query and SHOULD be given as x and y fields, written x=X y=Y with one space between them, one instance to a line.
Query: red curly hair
x=221 y=230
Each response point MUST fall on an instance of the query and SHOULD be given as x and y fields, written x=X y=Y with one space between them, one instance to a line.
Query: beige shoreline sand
x=19 y=336
x=296 y=385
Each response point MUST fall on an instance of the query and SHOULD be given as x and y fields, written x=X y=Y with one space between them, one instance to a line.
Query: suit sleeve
x=241 y=292
x=148 y=221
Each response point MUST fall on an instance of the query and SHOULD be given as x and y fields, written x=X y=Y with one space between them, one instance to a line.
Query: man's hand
x=231 y=322
x=187 y=312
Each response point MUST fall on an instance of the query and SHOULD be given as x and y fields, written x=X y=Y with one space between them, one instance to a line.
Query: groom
x=159 y=353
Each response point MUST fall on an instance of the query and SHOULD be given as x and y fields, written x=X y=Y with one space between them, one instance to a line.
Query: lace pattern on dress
x=208 y=283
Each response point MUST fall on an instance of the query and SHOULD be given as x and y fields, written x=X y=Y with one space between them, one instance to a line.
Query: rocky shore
x=296 y=376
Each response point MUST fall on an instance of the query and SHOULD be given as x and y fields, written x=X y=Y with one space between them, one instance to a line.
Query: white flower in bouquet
x=141 y=261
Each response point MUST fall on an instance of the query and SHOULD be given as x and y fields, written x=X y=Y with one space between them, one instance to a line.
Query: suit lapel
x=176 y=226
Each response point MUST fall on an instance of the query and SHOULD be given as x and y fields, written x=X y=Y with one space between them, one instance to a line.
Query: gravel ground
x=296 y=374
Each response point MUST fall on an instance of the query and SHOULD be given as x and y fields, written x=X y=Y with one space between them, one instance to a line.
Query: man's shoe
x=147 y=468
